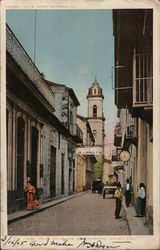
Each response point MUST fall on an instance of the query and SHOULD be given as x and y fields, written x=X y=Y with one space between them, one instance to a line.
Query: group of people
x=127 y=192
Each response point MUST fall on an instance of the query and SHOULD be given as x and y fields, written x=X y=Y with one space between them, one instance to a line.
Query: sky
x=73 y=47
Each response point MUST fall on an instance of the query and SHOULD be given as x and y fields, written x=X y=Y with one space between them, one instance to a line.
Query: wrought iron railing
x=118 y=131
x=142 y=80
x=79 y=132
x=76 y=131
x=131 y=131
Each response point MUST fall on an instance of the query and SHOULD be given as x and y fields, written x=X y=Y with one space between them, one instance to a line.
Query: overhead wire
x=35 y=34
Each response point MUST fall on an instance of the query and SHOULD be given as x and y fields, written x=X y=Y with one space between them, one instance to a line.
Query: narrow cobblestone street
x=88 y=214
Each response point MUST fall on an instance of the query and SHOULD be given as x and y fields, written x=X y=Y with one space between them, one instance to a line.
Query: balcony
x=143 y=74
x=143 y=92
x=76 y=132
x=131 y=132
x=133 y=72
x=131 y=136
x=117 y=135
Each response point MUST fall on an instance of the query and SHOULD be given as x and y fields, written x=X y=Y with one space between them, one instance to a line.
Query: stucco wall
x=50 y=138
x=97 y=124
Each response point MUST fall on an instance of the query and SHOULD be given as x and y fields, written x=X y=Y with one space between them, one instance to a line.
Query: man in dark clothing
x=127 y=192
x=118 y=196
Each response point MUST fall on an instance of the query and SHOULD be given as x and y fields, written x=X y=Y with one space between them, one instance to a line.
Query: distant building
x=108 y=172
x=133 y=36
x=85 y=160
x=66 y=104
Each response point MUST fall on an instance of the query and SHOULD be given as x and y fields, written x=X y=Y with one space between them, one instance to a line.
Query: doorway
x=34 y=156
x=62 y=174
x=20 y=153
x=53 y=172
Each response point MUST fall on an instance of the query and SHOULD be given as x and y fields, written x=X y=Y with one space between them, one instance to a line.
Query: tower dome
x=95 y=90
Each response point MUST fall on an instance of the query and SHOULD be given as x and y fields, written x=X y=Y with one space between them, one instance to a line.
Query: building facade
x=66 y=104
x=133 y=35
x=108 y=173
x=39 y=145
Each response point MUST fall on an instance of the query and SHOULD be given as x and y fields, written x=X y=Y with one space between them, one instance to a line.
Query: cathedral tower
x=95 y=113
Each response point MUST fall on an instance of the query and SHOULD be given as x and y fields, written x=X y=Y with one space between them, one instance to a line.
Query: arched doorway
x=34 y=155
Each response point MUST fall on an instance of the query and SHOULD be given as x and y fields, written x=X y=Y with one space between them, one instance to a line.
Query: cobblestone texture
x=88 y=214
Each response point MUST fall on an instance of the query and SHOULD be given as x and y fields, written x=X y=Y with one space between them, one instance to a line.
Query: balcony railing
x=142 y=79
x=118 y=131
x=131 y=132
x=143 y=92
x=79 y=132
x=117 y=135
x=76 y=132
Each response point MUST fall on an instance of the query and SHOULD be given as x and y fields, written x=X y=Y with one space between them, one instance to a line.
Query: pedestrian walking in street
x=141 y=201
x=127 y=191
x=118 y=196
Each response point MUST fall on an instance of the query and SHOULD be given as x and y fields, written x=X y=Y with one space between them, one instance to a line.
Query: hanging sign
x=90 y=151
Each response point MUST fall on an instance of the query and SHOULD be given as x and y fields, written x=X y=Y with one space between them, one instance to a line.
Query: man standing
x=127 y=192
x=118 y=196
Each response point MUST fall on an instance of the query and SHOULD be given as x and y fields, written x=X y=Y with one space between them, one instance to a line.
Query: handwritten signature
x=13 y=241
x=97 y=244
x=84 y=243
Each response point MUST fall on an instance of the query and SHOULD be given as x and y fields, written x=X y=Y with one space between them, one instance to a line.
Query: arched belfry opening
x=94 y=110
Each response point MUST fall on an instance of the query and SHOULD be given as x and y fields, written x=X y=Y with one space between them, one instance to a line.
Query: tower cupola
x=95 y=90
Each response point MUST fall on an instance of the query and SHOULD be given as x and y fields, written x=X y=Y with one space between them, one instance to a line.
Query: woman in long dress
x=140 y=201
x=32 y=202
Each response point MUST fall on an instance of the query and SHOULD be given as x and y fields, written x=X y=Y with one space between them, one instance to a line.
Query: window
x=59 y=140
x=94 y=111
x=95 y=134
x=71 y=122
x=142 y=76
x=95 y=91
x=71 y=117
x=20 y=153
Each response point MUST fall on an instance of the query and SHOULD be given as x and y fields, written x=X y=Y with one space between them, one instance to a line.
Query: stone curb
x=24 y=213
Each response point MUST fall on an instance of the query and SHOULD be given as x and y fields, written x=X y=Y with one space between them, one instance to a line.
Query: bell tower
x=95 y=113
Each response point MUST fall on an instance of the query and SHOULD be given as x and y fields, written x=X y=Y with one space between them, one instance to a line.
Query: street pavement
x=86 y=214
